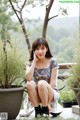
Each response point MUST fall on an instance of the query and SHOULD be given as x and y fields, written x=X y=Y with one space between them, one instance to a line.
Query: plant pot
x=10 y=101
x=68 y=104
x=77 y=93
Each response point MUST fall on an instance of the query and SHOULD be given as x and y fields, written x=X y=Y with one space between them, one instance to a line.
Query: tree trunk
x=46 y=19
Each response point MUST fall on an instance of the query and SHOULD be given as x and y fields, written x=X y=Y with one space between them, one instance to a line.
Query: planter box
x=68 y=104
x=76 y=109
x=10 y=102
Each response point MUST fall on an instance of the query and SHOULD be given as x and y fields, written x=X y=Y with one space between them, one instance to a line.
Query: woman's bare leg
x=33 y=93
x=34 y=97
x=45 y=92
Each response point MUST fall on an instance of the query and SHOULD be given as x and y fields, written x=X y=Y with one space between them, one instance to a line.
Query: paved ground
x=65 y=115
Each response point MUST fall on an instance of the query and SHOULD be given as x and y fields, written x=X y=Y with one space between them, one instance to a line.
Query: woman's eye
x=37 y=48
x=43 y=47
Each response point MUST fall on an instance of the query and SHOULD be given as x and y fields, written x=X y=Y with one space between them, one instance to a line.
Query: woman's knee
x=30 y=84
x=42 y=84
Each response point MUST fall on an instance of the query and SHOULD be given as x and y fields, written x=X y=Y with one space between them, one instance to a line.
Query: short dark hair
x=38 y=42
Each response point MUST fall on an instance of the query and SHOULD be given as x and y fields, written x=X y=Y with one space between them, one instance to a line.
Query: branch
x=22 y=9
x=23 y=5
x=17 y=5
x=20 y=18
x=9 y=43
x=53 y=17
x=15 y=10
x=48 y=8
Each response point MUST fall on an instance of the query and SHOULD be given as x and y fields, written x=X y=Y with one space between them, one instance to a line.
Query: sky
x=73 y=10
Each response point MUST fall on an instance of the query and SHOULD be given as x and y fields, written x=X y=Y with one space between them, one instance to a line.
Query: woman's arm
x=30 y=69
x=54 y=75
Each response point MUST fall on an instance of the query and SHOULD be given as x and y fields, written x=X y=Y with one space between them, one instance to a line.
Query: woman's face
x=40 y=51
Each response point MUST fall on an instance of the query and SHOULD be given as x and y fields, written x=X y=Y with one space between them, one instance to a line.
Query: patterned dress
x=45 y=73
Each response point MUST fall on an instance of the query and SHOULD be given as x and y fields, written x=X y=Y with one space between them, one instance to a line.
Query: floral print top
x=45 y=73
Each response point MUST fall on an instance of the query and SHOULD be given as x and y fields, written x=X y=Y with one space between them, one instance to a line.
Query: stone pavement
x=65 y=115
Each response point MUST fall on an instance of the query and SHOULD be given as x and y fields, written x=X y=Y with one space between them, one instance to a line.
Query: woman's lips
x=40 y=55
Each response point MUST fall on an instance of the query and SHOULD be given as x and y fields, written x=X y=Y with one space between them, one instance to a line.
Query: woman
x=41 y=75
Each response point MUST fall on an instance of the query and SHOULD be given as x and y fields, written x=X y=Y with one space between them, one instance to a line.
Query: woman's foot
x=45 y=111
x=38 y=111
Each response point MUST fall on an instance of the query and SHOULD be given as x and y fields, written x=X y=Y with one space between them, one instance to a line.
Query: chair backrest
x=62 y=77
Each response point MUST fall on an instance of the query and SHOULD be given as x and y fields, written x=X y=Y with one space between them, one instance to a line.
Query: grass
x=48 y=118
x=56 y=119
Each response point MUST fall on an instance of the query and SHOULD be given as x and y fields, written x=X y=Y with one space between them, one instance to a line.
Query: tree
x=6 y=16
x=18 y=13
x=46 y=19
x=18 y=9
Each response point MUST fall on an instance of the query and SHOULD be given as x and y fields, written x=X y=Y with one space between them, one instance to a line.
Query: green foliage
x=34 y=3
x=12 y=63
x=67 y=96
x=74 y=79
x=42 y=118
x=59 y=38
x=64 y=11
x=50 y=118
x=6 y=15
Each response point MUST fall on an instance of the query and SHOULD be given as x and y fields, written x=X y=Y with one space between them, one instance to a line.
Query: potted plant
x=74 y=79
x=67 y=98
x=11 y=74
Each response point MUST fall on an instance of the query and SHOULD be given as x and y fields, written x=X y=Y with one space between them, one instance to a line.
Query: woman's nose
x=40 y=51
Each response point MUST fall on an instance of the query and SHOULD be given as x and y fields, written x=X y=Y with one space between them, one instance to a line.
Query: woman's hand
x=35 y=58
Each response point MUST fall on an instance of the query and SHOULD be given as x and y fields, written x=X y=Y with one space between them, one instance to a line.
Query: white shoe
x=56 y=109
